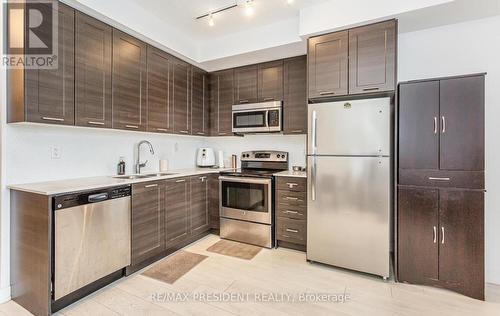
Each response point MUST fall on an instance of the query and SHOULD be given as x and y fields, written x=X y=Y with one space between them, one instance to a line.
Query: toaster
x=205 y=157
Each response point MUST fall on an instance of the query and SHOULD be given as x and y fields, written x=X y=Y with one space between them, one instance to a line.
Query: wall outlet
x=55 y=152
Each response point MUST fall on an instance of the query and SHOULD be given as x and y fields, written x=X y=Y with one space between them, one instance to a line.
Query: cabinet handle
x=370 y=89
x=291 y=185
x=439 y=179
x=95 y=123
x=327 y=92
x=52 y=119
x=292 y=230
x=243 y=101
x=132 y=126
x=297 y=131
x=435 y=234
x=435 y=125
x=151 y=186
x=291 y=198
x=442 y=234
x=222 y=133
x=183 y=132
x=291 y=212
x=180 y=181
x=443 y=122
x=162 y=129
x=268 y=99
x=203 y=178
x=200 y=133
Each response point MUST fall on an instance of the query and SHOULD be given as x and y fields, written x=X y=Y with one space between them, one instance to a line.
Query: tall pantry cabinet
x=441 y=184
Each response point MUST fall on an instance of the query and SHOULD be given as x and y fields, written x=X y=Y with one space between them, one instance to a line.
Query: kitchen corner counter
x=291 y=173
x=82 y=184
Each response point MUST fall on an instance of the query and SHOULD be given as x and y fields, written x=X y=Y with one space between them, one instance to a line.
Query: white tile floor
x=271 y=271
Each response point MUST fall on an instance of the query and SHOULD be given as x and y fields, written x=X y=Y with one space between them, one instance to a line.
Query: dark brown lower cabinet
x=148 y=215
x=291 y=212
x=176 y=211
x=441 y=238
x=199 y=216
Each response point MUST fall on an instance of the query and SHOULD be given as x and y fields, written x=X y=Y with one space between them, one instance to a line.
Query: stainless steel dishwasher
x=92 y=236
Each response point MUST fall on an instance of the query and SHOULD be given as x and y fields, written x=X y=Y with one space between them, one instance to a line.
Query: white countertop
x=291 y=173
x=82 y=184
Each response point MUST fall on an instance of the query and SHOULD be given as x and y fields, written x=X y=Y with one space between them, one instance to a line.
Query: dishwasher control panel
x=89 y=197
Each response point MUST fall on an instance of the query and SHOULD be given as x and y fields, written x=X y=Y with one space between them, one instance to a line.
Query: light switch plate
x=55 y=152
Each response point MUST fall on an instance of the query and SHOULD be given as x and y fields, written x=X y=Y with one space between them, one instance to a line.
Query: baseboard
x=5 y=294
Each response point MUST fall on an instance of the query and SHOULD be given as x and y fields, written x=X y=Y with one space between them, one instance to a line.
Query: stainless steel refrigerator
x=349 y=184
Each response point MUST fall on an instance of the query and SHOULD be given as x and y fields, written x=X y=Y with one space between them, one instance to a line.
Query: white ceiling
x=182 y=13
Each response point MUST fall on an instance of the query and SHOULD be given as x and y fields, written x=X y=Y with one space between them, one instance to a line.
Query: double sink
x=143 y=176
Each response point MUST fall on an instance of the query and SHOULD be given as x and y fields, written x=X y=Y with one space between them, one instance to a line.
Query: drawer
x=442 y=178
x=292 y=230
x=292 y=184
x=292 y=198
x=291 y=211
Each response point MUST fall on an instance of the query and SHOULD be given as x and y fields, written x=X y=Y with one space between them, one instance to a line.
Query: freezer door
x=348 y=212
x=360 y=127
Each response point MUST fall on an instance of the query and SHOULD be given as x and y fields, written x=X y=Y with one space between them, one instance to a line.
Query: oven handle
x=245 y=180
x=267 y=118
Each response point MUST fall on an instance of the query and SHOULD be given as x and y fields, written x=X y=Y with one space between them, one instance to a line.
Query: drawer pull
x=297 y=131
x=370 y=89
x=222 y=133
x=184 y=132
x=132 y=126
x=203 y=178
x=162 y=129
x=291 y=212
x=292 y=230
x=95 y=123
x=268 y=99
x=243 y=101
x=439 y=179
x=291 y=185
x=180 y=181
x=53 y=119
x=292 y=198
x=327 y=92
x=200 y=133
x=151 y=186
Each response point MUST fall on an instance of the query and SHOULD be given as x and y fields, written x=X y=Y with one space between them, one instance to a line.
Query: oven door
x=248 y=199
x=250 y=121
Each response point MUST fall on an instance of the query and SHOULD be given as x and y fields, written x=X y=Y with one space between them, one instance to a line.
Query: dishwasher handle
x=98 y=197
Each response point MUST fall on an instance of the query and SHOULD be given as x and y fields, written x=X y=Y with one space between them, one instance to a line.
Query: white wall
x=294 y=144
x=464 y=48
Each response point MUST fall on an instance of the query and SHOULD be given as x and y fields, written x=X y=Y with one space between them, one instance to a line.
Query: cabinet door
x=213 y=189
x=93 y=45
x=222 y=103
x=148 y=232
x=199 y=102
x=328 y=60
x=418 y=235
x=129 y=82
x=176 y=211
x=199 y=216
x=372 y=58
x=270 y=81
x=295 y=96
x=160 y=110
x=50 y=92
x=462 y=124
x=245 y=84
x=461 y=241
x=181 y=73
x=419 y=125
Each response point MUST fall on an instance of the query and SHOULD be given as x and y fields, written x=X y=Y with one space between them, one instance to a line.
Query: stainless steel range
x=247 y=199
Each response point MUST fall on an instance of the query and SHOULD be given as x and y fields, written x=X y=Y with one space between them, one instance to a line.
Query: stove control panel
x=278 y=156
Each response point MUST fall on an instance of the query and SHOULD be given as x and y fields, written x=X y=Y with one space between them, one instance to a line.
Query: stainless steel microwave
x=262 y=117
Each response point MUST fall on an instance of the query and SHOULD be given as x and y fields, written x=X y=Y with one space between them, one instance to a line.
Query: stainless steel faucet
x=138 y=164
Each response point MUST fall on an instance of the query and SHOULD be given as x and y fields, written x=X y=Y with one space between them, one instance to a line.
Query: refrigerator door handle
x=314 y=132
x=313 y=179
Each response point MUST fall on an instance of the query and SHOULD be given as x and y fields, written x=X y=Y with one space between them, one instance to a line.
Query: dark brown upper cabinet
x=200 y=103
x=222 y=100
x=181 y=73
x=176 y=211
x=270 y=81
x=148 y=220
x=372 y=58
x=160 y=114
x=49 y=93
x=419 y=125
x=129 y=82
x=245 y=84
x=462 y=123
x=295 y=96
x=328 y=65
x=441 y=124
x=93 y=53
x=199 y=213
